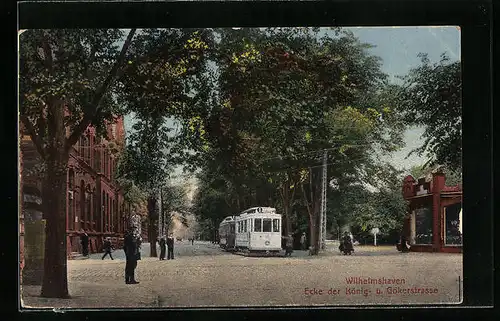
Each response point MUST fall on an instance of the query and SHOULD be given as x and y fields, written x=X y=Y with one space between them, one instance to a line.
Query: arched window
x=102 y=218
x=82 y=204
x=88 y=206
x=106 y=162
x=71 y=212
x=97 y=155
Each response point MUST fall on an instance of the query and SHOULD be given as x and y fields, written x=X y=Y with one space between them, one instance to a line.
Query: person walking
x=170 y=245
x=162 y=248
x=303 y=241
x=130 y=247
x=107 y=247
x=84 y=240
x=192 y=240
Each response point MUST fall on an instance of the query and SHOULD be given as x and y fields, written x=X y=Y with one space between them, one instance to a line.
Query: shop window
x=423 y=225
x=452 y=229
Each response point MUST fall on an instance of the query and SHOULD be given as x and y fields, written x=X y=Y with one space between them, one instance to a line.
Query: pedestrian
x=107 y=247
x=303 y=241
x=131 y=249
x=192 y=241
x=170 y=245
x=162 y=248
x=84 y=239
x=405 y=247
x=289 y=245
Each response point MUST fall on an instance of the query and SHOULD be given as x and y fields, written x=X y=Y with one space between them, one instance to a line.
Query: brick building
x=94 y=202
x=434 y=223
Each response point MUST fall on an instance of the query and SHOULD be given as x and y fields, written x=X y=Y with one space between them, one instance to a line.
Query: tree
x=432 y=98
x=163 y=68
x=66 y=84
x=282 y=98
x=145 y=163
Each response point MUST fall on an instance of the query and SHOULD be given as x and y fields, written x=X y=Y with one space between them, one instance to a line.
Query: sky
x=398 y=47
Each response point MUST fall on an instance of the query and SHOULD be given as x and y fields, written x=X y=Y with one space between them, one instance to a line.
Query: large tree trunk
x=313 y=203
x=152 y=228
x=55 y=277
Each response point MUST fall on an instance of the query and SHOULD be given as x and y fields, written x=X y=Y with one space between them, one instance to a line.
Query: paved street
x=202 y=275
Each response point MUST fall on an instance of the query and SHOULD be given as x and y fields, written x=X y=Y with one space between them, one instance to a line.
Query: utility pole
x=323 y=203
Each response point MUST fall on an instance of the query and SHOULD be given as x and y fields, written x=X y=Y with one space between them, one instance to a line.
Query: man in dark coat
x=162 y=242
x=288 y=245
x=131 y=253
x=170 y=245
x=107 y=247
x=84 y=239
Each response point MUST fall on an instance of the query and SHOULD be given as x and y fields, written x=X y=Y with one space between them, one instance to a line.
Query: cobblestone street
x=202 y=275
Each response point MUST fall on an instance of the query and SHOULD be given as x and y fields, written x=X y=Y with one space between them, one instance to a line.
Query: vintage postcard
x=240 y=167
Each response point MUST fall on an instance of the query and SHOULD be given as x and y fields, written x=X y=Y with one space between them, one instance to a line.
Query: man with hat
x=132 y=255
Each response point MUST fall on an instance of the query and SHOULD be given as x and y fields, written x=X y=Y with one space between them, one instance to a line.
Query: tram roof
x=262 y=210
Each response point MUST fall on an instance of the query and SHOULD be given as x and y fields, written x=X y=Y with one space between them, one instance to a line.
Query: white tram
x=258 y=229
x=226 y=233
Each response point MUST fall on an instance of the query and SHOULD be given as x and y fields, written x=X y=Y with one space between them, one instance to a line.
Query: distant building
x=434 y=220
x=94 y=200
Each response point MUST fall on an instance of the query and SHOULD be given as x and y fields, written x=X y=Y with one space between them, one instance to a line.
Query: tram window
x=258 y=225
x=245 y=224
x=266 y=225
x=276 y=225
x=239 y=227
x=232 y=228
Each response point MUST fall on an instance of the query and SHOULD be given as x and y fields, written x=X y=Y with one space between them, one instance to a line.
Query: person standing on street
x=84 y=239
x=130 y=247
x=162 y=248
x=303 y=241
x=170 y=245
x=192 y=240
x=107 y=247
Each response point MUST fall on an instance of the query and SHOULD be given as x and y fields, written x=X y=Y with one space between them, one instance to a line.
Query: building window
x=82 y=204
x=102 y=218
x=453 y=225
x=266 y=225
x=71 y=213
x=257 y=225
x=88 y=206
x=423 y=225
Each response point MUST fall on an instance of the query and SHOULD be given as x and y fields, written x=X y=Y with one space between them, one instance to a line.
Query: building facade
x=434 y=222
x=94 y=201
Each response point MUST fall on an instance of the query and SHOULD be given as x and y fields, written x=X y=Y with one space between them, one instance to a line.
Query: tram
x=227 y=234
x=258 y=229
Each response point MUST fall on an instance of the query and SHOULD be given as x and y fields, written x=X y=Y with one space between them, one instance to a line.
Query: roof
x=269 y=210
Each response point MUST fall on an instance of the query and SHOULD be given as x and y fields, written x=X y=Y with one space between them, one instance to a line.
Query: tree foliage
x=67 y=80
x=432 y=97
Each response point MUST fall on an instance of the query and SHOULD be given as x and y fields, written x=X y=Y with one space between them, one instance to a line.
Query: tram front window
x=258 y=225
x=266 y=225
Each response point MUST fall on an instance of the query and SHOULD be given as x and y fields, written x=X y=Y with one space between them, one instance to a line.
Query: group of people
x=289 y=243
x=107 y=246
x=164 y=244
